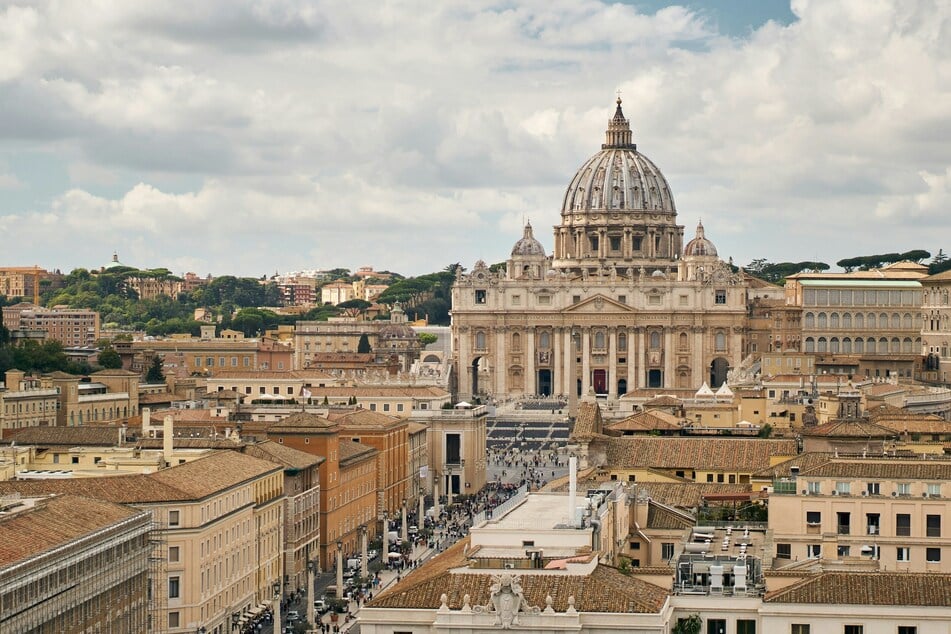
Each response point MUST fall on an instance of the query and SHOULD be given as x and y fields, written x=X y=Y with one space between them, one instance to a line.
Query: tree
x=155 y=374
x=427 y=338
x=363 y=346
x=110 y=359
x=354 y=307
x=688 y=625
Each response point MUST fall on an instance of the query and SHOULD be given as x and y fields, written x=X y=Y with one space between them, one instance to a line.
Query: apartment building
x=301 y=508
x=72 y=327
x=264 y=386
x=21 y=281
x=890 y=511
x=207 y=357
x=395 y=400
x=26 y=402
x=348 y=480
x=219 y=531
x=936 y=327
x=104 y=397
x=456 y=443
x=73 y=564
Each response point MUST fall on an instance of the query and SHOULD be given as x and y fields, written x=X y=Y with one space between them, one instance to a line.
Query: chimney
x=146 y=422
x=794 y=472
x=122 y=430
x=572 y=488
x=167 y=439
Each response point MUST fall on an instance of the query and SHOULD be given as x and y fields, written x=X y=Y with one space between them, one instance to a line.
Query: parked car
x=320 y=606
x=293 y=616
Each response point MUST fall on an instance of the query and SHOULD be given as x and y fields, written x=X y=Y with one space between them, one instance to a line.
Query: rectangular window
x=907 y=629
x=933 y=526
x=636 y=242
x=903 y=488
x=173 y=518
x=247 y=361
x=903 y=525
x=174 y=587
x=719 y=296
x=814 y=550
x=843 y=522
x=516 y=300
x=197 y=362
x=544 y=300
x=615 y=243
x=873 y=523
x=210 y=362
x=814 y=488
x=682 y=300
x=902 y=553
x=174 y=619
x=813 y=518
x=667 y=551
x=716 y=626
x=783 y=551
x=480 y=296
x=386 y=407
x=799 y=628
x=933 y=490
x=372 y=407
x=873 y=488
x=575 y=299
x=399 y=407
x=933 y=555
x=745 y=626
x=853 y=629
x=173 y=554
x=843 y=488
x=622 y=299
x=594 y=243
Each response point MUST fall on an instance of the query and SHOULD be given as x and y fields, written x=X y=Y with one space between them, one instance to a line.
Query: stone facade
x=620 y=305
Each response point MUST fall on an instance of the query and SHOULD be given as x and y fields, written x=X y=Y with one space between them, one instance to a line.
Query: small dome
x=528 y=245
x=700 y=245
x=396 y=331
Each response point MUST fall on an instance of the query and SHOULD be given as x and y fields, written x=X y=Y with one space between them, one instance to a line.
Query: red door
x=600 y=381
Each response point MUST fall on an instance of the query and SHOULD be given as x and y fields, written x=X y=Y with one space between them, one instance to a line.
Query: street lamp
x=235 y=617
x=276 y=604
x=201 y=630
x=421 y=515
x=309 y=596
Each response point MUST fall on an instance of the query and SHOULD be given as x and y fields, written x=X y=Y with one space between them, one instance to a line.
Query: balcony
x=844 y=529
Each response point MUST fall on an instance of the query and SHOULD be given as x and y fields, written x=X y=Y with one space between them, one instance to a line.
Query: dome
x=396 y=331
x=618 y=178
x=528 y=245
x=700 y=245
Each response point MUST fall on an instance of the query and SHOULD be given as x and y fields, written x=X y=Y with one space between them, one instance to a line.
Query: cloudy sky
x=229 y=136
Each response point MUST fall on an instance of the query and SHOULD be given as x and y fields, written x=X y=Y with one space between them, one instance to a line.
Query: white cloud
x=418 y=134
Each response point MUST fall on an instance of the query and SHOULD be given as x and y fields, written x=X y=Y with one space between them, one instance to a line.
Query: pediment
x=599 y=304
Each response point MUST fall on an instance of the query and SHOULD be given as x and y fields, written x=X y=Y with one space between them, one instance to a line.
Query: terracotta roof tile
x=359 y=417
x=605 y=590
x=105 y=436
x=868 y=588
x=713 y=454
x=688 y=495
x=301 y=421
x=53 y=522
x=351 y=451
x=588 y=421
x=282 y=455
x=647 y=421
x=884 y=468
x=849 y=429
x=661 y=517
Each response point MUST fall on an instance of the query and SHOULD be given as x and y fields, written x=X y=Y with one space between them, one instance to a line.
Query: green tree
x=110 y=359
x=363 y=346
x=427 y=338
x=688 y=625
x=155 y=374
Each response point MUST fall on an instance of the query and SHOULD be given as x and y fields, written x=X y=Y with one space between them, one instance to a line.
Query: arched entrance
x=718 y=370
x=475 y=375
x=544 y=382
x=622 y=387
x=600 y=382
x=655 y=378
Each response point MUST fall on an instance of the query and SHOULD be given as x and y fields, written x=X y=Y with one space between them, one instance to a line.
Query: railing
x=520 y=494
x=844 y=529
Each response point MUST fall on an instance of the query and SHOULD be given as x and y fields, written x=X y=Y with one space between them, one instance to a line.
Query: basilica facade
x=621 y=305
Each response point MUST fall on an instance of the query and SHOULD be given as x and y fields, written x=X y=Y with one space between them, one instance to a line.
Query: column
x=641 y=357
x=669 y=357
x=436 y=496
x=632 y=367
x=612 y=363
x=465 y=367
x=736 y=348
x=363 y=549
x=531 y=382
x=339 y=568
x=421 y=513
x=579 y=243
x=602 y=248
x=567 y=362
x=557 y=364
x=309 y=596
x=501 y=365
x=698 y=365
x=585 y=361
x=626 y=246
x=276 y=603
x=404 y=533
x=386 y=539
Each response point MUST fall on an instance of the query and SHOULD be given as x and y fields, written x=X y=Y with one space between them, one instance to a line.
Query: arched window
x=847 y=320
x=683 y=341
x=906 y=345
x=622 y=341
x=655 y=340
x=823 y=321
x=810 y=344
x=906 y=321
x=834 y=320
x=823 y=345
x=846 y=345
x=834 y=345
x=810 y=320
x=882 y=346
x=870 y=320
x=859 y=345
x=882 y=320
x=480 y=340
x=544 y=341
x=599 y=340
x=896 y=321
x=719 y=342
x=859 y=320
x=895 y=346
x=516 y=341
